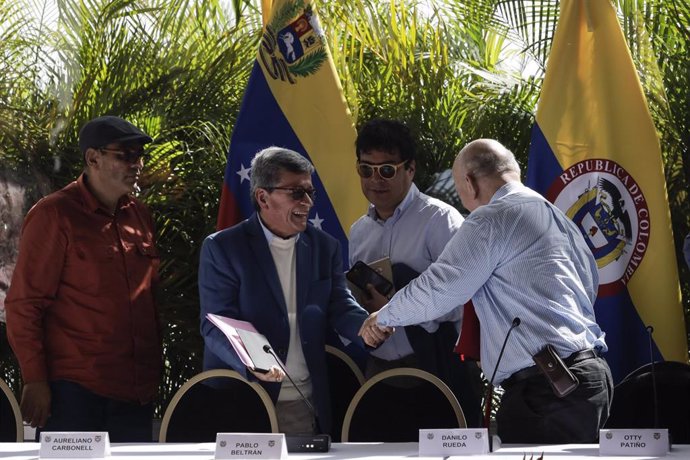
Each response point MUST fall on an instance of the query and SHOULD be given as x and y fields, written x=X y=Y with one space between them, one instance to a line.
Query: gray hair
x=269 y=164
x=487 y=157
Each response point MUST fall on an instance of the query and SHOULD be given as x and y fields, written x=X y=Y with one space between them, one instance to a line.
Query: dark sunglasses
x=128 y=156
x=297 y=193
x=386 y=171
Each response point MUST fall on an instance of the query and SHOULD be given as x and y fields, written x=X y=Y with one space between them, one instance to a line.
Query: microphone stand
x=650 y=331
x=655 y=393
x=269 y=350
x=489 y=396
x=299 y=443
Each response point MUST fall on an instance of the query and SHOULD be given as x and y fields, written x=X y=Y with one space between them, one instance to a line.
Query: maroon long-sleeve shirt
x=80 y=305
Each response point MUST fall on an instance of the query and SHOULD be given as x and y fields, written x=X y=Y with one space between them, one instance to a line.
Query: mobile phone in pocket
x=562 y=381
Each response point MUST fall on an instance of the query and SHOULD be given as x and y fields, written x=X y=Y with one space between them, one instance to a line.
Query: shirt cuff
x=383 y=318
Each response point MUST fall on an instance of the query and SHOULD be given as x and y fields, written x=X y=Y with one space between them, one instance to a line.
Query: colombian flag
x=294 y=100
x=596 y=155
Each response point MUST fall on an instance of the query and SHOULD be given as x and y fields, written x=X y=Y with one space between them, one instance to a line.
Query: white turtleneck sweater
x=284 y=257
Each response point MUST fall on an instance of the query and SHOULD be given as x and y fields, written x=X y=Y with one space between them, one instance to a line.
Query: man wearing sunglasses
x=411 y=229
x=286 y=278
x=81 y=315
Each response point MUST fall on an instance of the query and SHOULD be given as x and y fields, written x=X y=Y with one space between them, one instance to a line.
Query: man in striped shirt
x=517 y=256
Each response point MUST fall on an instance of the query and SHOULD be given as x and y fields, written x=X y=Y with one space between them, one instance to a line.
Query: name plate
x=652 y=442
x=456 y=441
x=250 y=445
x=74 y=444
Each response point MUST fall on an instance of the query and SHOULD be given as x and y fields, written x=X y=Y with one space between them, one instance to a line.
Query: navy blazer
x=238 y=279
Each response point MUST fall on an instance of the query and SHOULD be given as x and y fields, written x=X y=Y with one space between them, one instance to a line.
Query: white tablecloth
x=567 y=452
x=358 y=451
x=205 y=451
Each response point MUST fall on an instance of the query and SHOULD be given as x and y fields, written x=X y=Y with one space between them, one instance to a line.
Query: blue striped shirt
x=517 y=256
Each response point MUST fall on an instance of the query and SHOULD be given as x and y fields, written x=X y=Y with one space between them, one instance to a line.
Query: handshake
x=373 y=334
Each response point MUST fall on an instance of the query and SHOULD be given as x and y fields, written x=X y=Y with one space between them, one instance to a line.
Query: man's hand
x=35 y=405
x=373 y=300
x=372 y=333
x=274 y=374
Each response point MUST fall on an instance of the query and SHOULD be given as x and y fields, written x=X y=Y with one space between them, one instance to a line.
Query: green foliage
x=175 y=68
x=442 y=67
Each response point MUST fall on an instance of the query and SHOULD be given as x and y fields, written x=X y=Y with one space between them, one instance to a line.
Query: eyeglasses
x=297 y=193
x=128 y=156
x=386 y=171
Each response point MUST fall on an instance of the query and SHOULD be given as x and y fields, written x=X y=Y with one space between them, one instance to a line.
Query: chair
x=11 y=427
x=392 y=406
x=217 y=401
x=633 y=407
x=345 y=379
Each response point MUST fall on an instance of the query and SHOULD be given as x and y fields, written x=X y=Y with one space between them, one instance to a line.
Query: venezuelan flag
x=595 y=154
x=294 y=100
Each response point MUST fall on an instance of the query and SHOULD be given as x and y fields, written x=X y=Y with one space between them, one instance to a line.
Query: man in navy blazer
x=286 y=278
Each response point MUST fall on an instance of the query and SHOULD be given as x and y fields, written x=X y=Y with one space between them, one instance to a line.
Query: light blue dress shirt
x=517 y=256
x=414 y=235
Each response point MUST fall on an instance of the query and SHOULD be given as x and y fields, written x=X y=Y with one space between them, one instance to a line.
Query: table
x=356 y=451
x=567 y=452
x=205 y=451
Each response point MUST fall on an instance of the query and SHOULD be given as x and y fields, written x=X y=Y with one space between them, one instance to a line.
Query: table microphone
x=303 y=443
x=487 y=414
x=655 y=395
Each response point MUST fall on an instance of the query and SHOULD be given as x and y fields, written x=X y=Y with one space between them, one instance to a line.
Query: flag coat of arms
x=294 y=100
x=595 y=154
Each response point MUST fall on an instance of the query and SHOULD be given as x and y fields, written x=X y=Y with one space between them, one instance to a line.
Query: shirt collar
x=412 y=194
x=90 y=200
x=270 y=235
x=506 y=189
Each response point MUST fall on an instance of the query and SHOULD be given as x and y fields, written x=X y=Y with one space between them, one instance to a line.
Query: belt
x=533 y=371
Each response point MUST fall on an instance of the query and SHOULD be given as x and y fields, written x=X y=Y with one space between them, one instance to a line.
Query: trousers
x=294 y=417
x=74 y=408
x=530 y=413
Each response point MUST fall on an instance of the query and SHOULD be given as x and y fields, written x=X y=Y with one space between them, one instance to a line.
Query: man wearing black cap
x=81 y=316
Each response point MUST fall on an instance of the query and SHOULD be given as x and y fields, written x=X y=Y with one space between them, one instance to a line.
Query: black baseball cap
x=105 y=130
